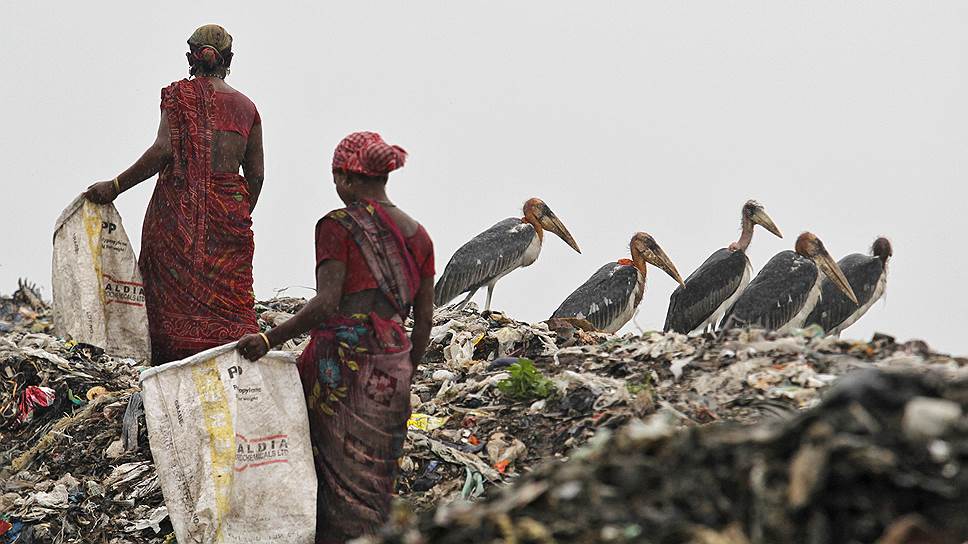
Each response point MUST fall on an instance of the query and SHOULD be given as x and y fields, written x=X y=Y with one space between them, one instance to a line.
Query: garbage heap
x=494 y=401
x=881 y=459
x=74 y=459
x=496 y=397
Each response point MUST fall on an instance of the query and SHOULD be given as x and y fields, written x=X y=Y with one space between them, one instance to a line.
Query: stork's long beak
x=551 y=223
x=830 y=267
x=761 y=218
x=657 y=257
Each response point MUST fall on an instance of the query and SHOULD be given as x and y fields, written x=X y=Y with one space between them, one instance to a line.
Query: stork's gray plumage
x=608 y=298
x=709 y=291
x=488 y=257
x=511 y=244
x=867 y=275
x=787 y=289
x=713 y=287
x=778 y=295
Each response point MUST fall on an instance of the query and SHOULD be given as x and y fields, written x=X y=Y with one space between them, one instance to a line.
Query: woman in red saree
x=374 y=263
x=197 y=243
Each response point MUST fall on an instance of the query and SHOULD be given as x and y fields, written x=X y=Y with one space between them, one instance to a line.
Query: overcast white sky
x=847 y=119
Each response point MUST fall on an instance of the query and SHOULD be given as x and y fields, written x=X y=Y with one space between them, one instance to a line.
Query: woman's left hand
x=252 y=347
x=102 y=192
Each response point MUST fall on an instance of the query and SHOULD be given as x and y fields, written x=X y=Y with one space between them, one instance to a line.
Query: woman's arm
x=150 y=163
x=423 y=317
x=254 y=165
x=329 y=290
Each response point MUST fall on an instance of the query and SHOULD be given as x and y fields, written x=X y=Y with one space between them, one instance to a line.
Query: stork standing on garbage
x=788 y=288
x=609 y=298
x=511 y=244
x=708 y=292
x=867 y=275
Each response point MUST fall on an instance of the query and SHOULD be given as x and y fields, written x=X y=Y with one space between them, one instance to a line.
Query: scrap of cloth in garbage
x=197 y=242
x=356 y=374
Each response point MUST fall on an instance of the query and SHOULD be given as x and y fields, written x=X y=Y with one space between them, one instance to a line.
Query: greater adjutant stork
x=867 y=275
x=511 y=244
x=709 y=291
x=784 y=293
x=609 y=298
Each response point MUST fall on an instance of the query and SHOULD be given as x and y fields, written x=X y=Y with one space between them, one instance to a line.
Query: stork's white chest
x=717 y=315
x=878 y=293
x=812 y=298
x=635 y=296
x=531 y=253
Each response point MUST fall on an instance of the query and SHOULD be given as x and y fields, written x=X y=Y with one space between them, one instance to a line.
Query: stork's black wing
x=487 y=256
x=706 y=289
x=603 y=297
x=776 y=295
x=863 y=273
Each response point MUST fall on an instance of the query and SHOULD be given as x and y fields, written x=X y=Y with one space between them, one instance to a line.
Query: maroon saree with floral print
x=356 y=374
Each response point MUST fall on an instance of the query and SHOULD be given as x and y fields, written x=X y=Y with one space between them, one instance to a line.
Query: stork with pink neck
x=708 y=292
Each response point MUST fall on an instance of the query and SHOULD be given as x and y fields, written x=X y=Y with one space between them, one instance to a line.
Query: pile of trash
x=497 y=403
x=24 y=310
x=75 y=464
x=496 y=397
x=881 y=459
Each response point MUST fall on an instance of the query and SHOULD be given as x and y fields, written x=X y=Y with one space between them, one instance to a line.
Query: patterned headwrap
x=366 y=153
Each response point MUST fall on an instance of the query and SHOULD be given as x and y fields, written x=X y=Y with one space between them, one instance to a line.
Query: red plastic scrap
x=33 y=397
x=5 y=526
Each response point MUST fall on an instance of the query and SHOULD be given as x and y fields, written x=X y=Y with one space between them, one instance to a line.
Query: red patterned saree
x=197 y=243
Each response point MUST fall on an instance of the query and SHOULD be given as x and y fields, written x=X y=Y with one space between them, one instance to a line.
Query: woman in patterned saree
x=374 y=263
x=197 y=243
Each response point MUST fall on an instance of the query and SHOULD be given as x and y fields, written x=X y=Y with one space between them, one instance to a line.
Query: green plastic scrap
x=73 y=399
x=473 y=485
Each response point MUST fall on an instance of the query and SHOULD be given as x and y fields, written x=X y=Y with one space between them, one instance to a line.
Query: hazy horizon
x=847 y=120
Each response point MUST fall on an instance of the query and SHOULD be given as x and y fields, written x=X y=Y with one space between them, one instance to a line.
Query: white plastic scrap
x=608 y=390
x=153 y=521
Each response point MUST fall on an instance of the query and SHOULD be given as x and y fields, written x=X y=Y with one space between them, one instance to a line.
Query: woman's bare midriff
x=364 y=302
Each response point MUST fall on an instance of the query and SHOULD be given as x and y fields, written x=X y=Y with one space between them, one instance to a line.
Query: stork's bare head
x=812 y=248
x=536 y=210
x=882 y=249
x=645 y=250
x=755 y=212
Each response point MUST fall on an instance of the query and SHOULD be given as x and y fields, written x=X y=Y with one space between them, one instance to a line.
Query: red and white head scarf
x=366 y=153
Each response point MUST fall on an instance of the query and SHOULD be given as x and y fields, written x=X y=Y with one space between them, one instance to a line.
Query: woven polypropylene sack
x=98 y=294
x=230 y=442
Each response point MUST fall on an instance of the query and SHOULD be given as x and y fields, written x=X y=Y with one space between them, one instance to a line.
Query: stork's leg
x=490 y=291
x=461 y=304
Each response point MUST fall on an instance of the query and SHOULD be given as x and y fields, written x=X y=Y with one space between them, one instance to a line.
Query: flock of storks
x=795 y=289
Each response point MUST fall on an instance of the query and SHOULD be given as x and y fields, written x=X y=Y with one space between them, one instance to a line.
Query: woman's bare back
x=373 y=300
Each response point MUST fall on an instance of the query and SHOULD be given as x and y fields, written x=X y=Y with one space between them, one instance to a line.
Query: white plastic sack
x=230 y=441
x=98 y=294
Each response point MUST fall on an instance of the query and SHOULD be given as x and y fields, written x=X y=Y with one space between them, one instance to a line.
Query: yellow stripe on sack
x=218 y=423
x=93 y=226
